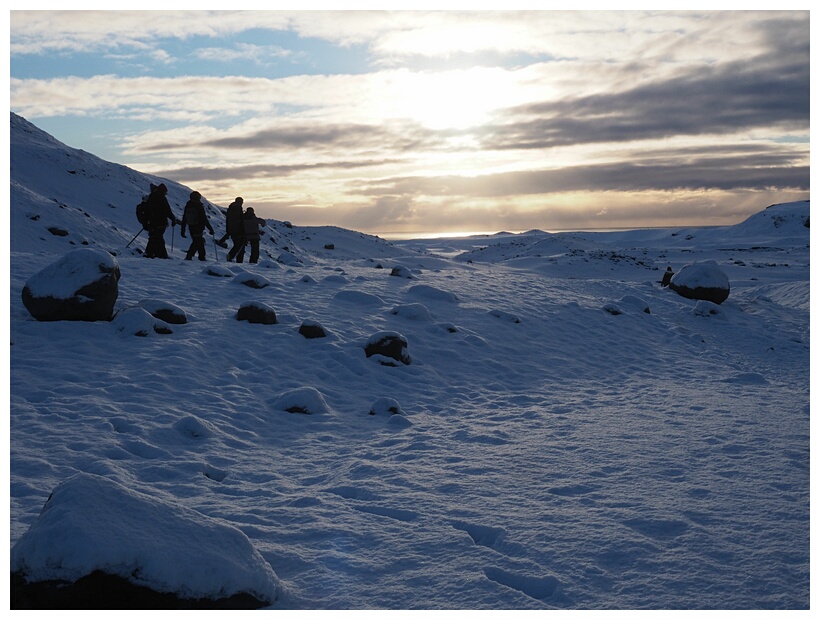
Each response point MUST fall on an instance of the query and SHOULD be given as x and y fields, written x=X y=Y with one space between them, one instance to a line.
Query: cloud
x=691 y=170
x=580 y=211
x=243 y=51
x=266 y=171
x=457 y=117
x=714 y=100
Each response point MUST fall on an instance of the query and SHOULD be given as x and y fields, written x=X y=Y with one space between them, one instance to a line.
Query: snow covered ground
x=570 y=435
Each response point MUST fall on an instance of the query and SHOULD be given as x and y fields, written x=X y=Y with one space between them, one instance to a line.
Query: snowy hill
x=65 y=198
x=567 y=434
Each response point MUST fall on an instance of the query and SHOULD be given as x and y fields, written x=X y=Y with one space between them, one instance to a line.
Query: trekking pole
x=135 y=237
x=172 y=237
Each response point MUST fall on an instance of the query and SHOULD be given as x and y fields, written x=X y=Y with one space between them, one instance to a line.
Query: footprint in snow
x=483 y=535
x=539 y=588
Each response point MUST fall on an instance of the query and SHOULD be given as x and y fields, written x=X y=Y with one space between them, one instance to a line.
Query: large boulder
x=101 y=545
x=81 y=286
x=701 y=280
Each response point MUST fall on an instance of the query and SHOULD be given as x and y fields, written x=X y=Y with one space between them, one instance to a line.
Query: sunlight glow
x=452 y=99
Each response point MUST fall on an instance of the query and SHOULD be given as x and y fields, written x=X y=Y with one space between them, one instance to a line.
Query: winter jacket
x=195 y=219
x=252 y=224
x=233 y=220
x=159 y=211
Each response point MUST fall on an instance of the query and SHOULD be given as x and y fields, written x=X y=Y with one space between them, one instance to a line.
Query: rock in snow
x=92 y=524
x=387 y=346
x=138 y=321
x=701 y=280
x=256 y=312
x=165 y=311
x=312 y=329
x=81 y=286
x=386 y=406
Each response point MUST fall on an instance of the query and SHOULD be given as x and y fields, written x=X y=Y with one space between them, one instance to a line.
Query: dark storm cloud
x=715 y=100
x=684 y=170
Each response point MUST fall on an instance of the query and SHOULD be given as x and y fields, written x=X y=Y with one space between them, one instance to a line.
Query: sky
x=401 y=122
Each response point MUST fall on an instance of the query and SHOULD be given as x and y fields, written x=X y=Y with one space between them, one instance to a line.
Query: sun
x=455 y=99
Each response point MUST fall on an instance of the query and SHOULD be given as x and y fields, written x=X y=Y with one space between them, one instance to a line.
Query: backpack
x=192 y=215
x=143 y=212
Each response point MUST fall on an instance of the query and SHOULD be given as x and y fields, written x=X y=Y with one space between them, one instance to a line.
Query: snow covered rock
x=387 y=346
x=138 y=321
x=701 y=280
x=635 y=303
x=312 y=329
x=306 y=400
x=165 y=311
x=218 y=270
x=400 y=271
x=251 y=280
x=94 y=528
x=414 y=312
x=81 y=286
x=385 y=406
x=256 y=312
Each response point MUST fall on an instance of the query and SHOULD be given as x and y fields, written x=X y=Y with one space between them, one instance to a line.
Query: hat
x=196 y=195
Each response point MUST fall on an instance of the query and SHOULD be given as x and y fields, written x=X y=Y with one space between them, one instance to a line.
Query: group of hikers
x=242 y=227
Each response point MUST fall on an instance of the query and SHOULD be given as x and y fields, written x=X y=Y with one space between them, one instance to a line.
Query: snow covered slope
x=568 y=435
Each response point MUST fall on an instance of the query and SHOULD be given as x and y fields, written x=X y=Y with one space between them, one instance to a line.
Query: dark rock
x=702 y=280
x=81 y=286
x=58 y=232
x=100 y=590
x=388 y=345
x=330 y=246
x=256 y=312
x=165 y=311
x=311 y=329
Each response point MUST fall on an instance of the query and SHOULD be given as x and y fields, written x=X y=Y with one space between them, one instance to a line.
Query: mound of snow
x=91 y=523
x=386 y=406
x=301 y=400
x=358 y=297
x=415 y=312
x=432 y=293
